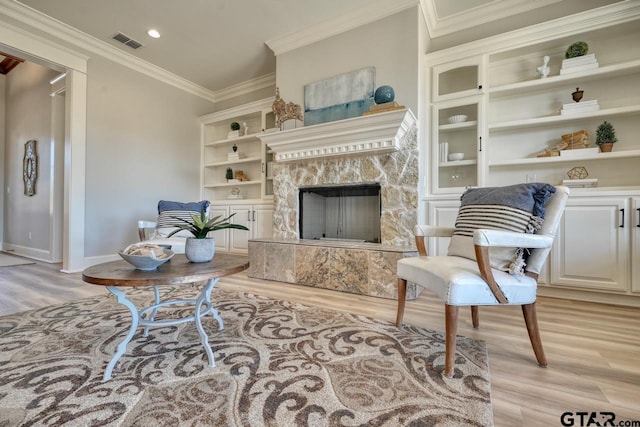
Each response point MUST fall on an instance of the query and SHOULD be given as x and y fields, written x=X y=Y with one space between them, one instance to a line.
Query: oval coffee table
x=178 y=271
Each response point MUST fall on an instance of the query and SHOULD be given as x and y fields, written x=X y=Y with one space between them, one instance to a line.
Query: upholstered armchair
x=480 y=269
x=156 y=232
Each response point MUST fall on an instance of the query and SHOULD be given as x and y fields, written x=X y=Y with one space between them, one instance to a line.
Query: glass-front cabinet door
x=457 y=79
x=456 y=146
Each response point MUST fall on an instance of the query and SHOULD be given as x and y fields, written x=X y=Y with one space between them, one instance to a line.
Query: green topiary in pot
x=235 y=126
x=577 y=49
x=606 y=136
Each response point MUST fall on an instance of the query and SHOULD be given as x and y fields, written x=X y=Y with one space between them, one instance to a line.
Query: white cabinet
x=456 y=131
x=458 y=79
x=634 y=229
x=443 y=214
x=221 y=236
x=250 y=200
x=257 y=218
x=252 y=156
x=515 y=114
x=592 y=246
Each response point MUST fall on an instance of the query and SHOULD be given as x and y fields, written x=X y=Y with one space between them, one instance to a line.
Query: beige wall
x=390 y=45
x=28 y=116
x=143 y=145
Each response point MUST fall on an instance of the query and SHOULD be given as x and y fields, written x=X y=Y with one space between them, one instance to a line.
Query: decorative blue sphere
x=384 y=94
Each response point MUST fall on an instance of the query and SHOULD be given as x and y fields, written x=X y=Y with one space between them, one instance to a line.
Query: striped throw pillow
x=169 y=211
x=518 y=208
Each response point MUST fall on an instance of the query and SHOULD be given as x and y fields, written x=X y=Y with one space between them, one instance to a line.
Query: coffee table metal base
x=202 y=305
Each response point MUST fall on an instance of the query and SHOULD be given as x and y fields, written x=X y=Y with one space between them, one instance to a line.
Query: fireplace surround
x=378 y=149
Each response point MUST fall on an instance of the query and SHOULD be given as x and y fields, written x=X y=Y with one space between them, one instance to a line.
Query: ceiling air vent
x=127 y=40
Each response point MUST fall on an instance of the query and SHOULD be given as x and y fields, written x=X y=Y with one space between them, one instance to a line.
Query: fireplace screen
x=341 y=212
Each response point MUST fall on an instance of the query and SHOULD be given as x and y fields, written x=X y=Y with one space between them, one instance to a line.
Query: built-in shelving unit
x=515 y=122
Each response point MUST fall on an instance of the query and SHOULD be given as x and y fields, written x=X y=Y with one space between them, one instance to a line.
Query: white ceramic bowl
x=145 y=262
x=458 y=118
x=456 y=156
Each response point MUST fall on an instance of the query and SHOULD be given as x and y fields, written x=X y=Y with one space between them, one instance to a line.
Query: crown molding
x=238 y=110
x=491 y=11
x=25 y=15
x=375 y=10
x=248 y=86
x=593 y=19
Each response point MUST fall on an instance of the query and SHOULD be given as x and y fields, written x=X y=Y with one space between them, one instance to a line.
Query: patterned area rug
x=278 y=363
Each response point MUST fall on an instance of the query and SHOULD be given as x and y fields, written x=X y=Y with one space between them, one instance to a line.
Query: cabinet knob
x=479 y=86
x=638 y=223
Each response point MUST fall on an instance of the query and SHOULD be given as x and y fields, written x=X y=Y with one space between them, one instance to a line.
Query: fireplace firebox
x=340 y=212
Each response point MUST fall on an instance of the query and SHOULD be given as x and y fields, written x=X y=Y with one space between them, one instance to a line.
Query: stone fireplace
x=378 y=149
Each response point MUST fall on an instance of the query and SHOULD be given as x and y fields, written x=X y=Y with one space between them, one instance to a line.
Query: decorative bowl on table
x=456 y=156
x=146 y=257
x=458 y=118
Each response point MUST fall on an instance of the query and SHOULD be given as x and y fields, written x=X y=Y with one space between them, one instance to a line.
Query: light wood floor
x=593 y=349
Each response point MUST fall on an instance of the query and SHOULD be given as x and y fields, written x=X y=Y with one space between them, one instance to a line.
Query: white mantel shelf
x=365 y=135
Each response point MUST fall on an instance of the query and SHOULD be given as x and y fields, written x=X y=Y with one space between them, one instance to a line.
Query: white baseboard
x=89 y=261
x=33 y=253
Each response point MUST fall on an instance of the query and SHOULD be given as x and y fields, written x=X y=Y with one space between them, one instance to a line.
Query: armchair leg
x=451 y=326
x=475 y=316
x=531 y=320
x=402 y=297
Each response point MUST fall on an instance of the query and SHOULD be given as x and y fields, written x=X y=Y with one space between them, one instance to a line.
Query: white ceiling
x=216 y=44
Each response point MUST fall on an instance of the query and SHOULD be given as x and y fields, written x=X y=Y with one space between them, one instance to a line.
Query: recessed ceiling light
x=154 y=33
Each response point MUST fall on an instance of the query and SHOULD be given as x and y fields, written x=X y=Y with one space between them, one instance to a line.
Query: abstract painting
x=340 y=97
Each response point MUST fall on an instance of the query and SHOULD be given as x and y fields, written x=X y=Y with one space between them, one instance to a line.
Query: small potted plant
x=235 y=130
x=576 y=49
x=201 y=248
x=229 y=174
x=606 y=136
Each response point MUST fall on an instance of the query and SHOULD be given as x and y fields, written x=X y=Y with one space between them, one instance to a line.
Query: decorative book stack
x=580 y=107
x=444 y=151
x=381 y=108
x=579 y=63
x=235 y=156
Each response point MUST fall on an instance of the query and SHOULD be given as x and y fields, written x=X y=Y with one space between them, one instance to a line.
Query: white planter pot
x=200 y=250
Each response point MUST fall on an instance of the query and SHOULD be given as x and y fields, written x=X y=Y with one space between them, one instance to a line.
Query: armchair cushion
x=517 y=208
x=168 y=211
x=458 y=281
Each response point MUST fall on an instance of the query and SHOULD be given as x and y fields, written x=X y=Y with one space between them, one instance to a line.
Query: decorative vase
x=384 y=94
x=606 y=147
x=577 y=95
x=200 y=250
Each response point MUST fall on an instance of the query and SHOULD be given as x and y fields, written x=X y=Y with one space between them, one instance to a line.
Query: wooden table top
x=177 y=271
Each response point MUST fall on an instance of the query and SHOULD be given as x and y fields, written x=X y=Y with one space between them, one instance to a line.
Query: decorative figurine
x=246 y=128
x=543 y=70
x=577 y=95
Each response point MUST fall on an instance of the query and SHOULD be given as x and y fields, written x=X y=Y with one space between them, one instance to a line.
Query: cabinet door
x=262 y=222
x=634 y=224
x=221 y=236
x=239 y=239
x=592 y=246
x=443 y=214
x=456 y=132
x=457 y=79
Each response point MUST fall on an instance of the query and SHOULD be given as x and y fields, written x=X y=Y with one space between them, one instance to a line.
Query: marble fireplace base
x=360 y=268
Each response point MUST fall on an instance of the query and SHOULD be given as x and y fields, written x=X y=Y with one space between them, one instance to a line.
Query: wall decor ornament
x=544 y=69
x=30 y=167
x=285 y=111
